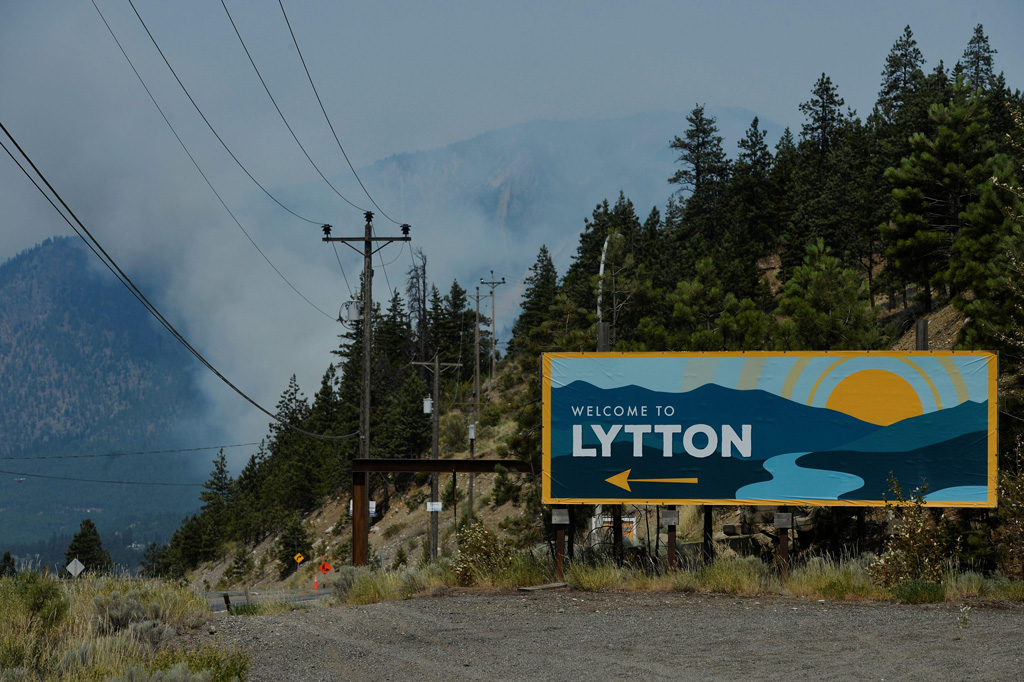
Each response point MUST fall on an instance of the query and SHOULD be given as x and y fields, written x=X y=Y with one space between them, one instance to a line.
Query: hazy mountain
x=84 y=370
x=543 y=178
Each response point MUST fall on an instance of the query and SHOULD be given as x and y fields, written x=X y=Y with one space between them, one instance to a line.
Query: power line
x=344 y=276
x=210 y=126
x=112 y=265
x=309 y=76
x=328 y=118
x=281 y=114
x=128 y=454
x=196 y=164
x=96 y=480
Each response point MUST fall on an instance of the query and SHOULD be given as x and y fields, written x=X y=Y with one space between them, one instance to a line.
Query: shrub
x=1010 y=532
x=221 y=665
x=481 y=554
x=115 y=612
x=179 y=673
x=917 y=548
x=393 y=530
x=505 y=489
x=490 y=415
x=453 y=433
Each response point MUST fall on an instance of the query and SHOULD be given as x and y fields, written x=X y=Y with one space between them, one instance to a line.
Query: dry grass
x=97 y=627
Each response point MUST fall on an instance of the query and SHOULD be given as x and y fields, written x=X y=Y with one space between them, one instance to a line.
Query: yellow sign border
x=993 y=432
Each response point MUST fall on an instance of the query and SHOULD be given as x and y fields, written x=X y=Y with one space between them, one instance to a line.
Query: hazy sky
x=395 y=77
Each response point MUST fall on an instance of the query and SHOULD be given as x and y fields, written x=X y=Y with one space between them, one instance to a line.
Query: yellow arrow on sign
x=622 y=480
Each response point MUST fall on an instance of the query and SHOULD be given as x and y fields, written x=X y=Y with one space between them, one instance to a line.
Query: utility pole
x=435 y=367
x=492 y=284
x=360 y=517
x=476 y=397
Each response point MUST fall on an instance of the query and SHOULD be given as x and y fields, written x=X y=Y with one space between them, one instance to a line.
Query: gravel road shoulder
x=568 y=635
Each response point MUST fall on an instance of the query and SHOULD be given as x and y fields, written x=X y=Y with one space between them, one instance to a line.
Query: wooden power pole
x=360 y=517
x=435 y=408
x=492 y=284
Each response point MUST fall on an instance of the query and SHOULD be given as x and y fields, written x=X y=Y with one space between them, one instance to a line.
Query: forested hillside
x=85 y=371
x=838 y=238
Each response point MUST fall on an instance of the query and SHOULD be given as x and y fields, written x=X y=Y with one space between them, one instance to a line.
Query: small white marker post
x=75 y=567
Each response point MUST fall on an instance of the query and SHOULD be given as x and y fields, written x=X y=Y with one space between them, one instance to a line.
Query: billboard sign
x=804 y=428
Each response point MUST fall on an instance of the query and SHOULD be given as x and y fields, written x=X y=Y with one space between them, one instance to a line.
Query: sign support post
x=671 y=520
x=559 y=519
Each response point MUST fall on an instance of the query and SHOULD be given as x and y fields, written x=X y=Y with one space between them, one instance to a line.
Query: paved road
x=563 y=635
x=238 y=597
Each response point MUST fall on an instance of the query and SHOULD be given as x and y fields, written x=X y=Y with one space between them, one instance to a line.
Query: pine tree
x=698 y=225
x=540 y=288
x=826 y=305
x=7 y=567
x=934 y=187
x=901 y=77
x=751 y=232
x=294 y=539
x=976 y=64
x=700 y=153
x=708 y=317
x=824 y=122
x=87 y=547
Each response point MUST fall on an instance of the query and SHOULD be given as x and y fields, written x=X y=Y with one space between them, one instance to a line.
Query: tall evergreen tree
x=824 y=121
x=751 y=232
x=976 y=64
x=701 y=154
x=901 y=77
x=697 y=226
x=935 y=186
x=540 y=288
x=87 y=547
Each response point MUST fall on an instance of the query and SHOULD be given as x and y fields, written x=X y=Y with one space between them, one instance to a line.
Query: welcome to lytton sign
x=769 y=428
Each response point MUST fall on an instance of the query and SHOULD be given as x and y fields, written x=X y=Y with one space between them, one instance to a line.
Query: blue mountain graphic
x=924 y=430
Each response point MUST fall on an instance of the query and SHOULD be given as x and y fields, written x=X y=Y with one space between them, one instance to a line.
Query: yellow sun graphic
x=876 y=396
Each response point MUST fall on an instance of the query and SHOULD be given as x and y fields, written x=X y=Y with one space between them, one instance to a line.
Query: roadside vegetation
x=102 y=627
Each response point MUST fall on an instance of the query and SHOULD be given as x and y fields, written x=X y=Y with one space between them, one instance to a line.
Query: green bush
x=453 y=433
x=481 y=554
x=490 y=415
x=42 y=598
x=505 y=489
x=917 y=549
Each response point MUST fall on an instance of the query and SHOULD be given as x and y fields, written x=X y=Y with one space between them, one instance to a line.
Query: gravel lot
x=568 y=635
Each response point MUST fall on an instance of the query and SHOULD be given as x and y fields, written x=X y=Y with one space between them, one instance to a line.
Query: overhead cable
x=281 y=114
x=127 y=454
x=302 y=59
x=198 y=168
x=96 y=480
x=79 y=228
x=210 y=125
x=328 y=118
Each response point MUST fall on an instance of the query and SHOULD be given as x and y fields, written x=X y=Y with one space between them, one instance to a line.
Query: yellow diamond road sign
x=299 y=558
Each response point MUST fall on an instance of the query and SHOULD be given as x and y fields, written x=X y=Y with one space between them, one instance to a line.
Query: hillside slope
x=84 y=370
